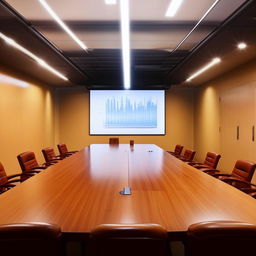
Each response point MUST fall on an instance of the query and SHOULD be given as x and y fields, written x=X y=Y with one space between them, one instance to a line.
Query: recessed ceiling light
x=62 y=24
x=110 y=1
x=13 y=81
x=125 y=34
x=40 y=61
x=204 y=68
x=241 y=46
x=173 y=8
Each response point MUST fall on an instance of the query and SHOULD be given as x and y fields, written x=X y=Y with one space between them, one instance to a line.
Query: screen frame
x=117 y=134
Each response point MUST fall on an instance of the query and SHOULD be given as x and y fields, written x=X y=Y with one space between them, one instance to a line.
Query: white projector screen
x=127 y=112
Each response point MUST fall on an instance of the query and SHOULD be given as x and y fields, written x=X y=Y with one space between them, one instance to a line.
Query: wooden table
x=82 y=191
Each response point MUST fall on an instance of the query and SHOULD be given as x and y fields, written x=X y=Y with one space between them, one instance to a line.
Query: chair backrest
x=30 y=239
x=189 y=155
x=27 y=161
x=3 y=177
x=243 y=170
x=212 y=159
x=221 y=238
x=178 y=149
x=49 y=154
x=113 y=141
x=135 y=240
x=62 y=149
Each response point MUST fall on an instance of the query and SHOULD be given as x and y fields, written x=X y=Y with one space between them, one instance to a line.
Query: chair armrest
x=219 y=175
x=193 y=163
x=210 y=171
x=240 y=184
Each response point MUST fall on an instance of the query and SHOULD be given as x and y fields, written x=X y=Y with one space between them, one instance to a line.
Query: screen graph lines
x=123 y=113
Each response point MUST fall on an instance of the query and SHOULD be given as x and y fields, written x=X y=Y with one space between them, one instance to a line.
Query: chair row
x=240 y=177
x=206 y=238
x=30 y=167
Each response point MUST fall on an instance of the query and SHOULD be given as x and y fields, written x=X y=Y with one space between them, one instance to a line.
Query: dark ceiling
x=150 y=68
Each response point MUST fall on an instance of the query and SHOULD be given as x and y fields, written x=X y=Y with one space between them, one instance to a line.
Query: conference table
x=83 y=190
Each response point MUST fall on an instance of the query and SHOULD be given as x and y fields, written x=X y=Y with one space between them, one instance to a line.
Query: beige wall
x=27 y=122
x=220 y=106
x=73 y=119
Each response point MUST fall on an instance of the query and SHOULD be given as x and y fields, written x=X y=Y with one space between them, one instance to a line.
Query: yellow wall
x=73 y=119
x=27 y=122
x=227 y=101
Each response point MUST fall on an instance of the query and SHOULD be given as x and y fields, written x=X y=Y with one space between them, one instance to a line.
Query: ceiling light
x=197 y=24
x=62 y=24
x=241 y=46
x=125 y=33
x=11 y=42
x=13 y=81
x=204 y=68
x=173 y=8
x=110 y=1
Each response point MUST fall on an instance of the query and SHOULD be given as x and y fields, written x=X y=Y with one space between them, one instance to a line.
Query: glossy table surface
x=82 y=191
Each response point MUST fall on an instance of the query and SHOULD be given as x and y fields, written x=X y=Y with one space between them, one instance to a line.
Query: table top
x=82 y=191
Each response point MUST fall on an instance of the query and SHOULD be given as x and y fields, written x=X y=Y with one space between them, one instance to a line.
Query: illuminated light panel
x=125 y=34
x=173 y=8
x=203 y=69
x=62 y=24
x=241 y=46
x=41 y=62
x=110 y=1
x=13 y=81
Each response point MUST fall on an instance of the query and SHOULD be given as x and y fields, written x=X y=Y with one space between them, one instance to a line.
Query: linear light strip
x=125 y=33
x=197 y=24
x=204 y=68
x=62 y=24
x=173 y=8
x=32 y=56
x=13 y=81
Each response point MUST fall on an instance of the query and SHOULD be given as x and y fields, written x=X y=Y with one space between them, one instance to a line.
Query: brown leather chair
x=211 y=161
x=28 y=163
x=221 y=238
x=188 y=155
x=49 y=155
x=63 y=150
x=113 y=141
x=177 y=151
x=241 y=175
x=30 y=239
x=127 y=240
x=8 y=182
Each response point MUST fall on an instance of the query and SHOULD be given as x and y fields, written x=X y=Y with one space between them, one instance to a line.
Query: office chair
x=188 y=155
x=240 y=176
x=113 y=141
x=211 y=161
x=63 y=150
x=28 y=163
x=177 y=151
x=220 y=238
x=49 y=155
x=8 y=182
x=30 y=239
x=127 y=240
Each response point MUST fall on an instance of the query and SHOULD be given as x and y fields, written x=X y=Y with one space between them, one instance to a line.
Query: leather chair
x=49 y=155
x=28 y=163
x=113 y=141
x=220 y=238
x=30 y=239
x=127 y=240
x=241 y=175
x=211 y=161
x=8 y=182
x=177 y=151
x=63 y=150
x=188 y=155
